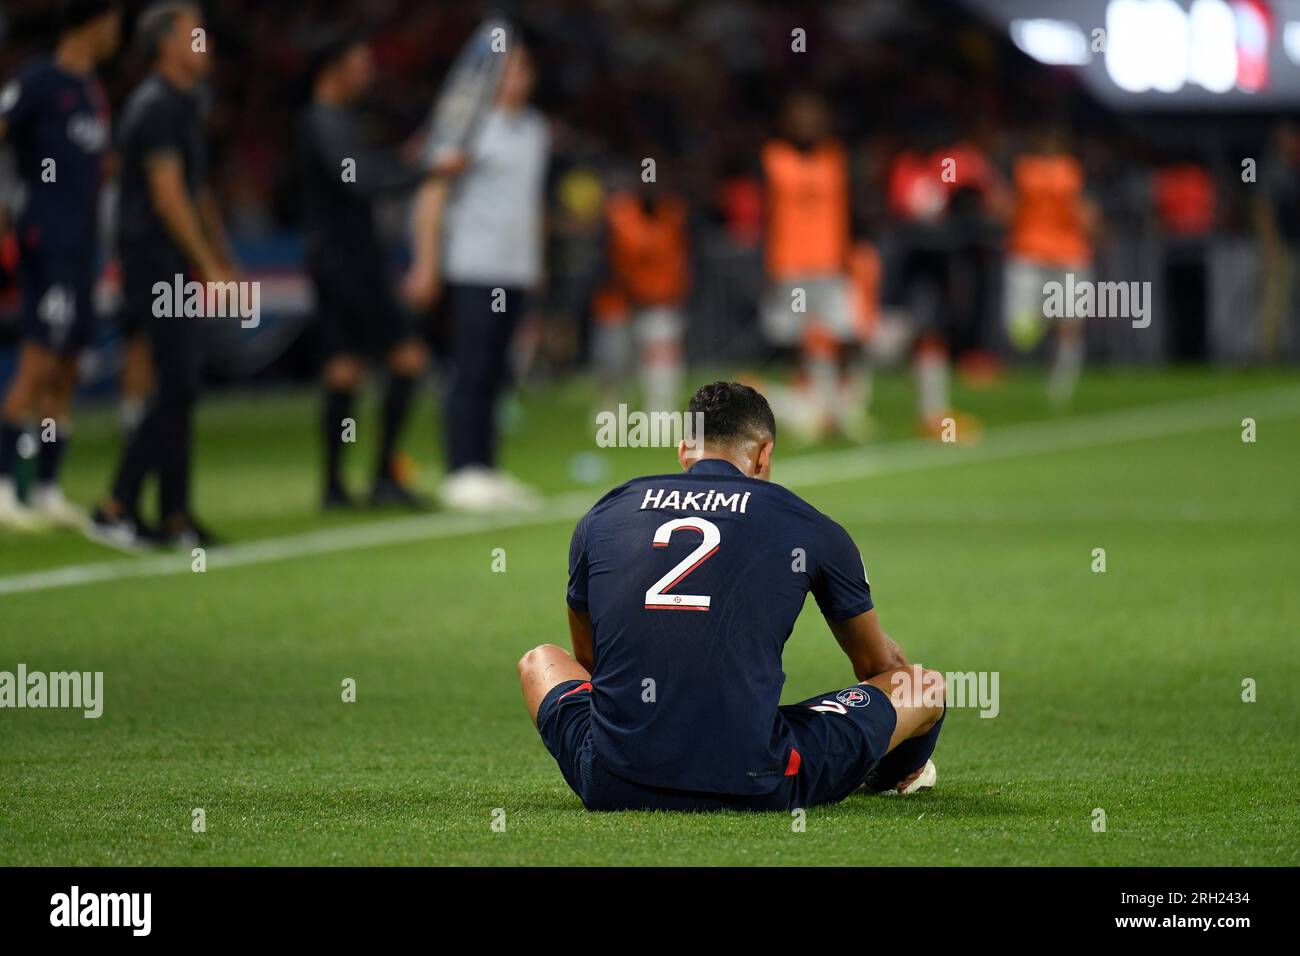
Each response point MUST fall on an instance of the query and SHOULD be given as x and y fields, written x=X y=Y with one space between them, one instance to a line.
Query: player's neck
x=741 y=464
x=175 y=75
x=75 y=55
x=329 y=94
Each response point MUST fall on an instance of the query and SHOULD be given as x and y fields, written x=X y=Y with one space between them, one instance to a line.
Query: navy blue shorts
x=57 y=289
x=839 y=738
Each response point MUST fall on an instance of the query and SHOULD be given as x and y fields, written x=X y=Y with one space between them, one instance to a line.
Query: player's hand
x=450 y=164
x=220 y=270
x=422 y=287
x=235 y=271
x=899 y=658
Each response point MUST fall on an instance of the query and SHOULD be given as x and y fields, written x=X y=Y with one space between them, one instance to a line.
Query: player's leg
x=932 y=371
x=544 y=668
x=55 y=410
x=178 y=354
x=483 y=322
x=1067 y=363
x=341 y=317
x=918 y=696
x=931 y=368
x=927 y=286
x=495 y=366
x=48 y=312
x=406 y=360
x=874 y=734
x=137 y=378
x=851 y=397
x=36 y=365
x=784 y=318
x=376 y=311
x=612 y=347
x=821 y=373
x=468 y=485
x=340 y=378
x=1023 y=310
x=659 y=342
x=557 y=693
x=55 y=435
x=467 y=411
x=116 y=521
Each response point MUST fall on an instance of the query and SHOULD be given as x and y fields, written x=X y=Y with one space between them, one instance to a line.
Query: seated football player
x=683 y=590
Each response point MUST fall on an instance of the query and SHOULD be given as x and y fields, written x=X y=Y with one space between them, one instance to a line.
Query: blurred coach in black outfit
x=169 y=226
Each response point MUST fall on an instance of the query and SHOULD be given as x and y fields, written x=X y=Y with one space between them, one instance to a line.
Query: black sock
x=9 y=435
x=396 y=405
x=338 y=406
x=49 y=456
x=905 y=759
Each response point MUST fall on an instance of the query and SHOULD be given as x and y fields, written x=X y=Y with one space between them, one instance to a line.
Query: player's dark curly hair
x=733 y=413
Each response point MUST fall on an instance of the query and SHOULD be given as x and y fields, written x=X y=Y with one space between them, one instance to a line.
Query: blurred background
x=1163 y=122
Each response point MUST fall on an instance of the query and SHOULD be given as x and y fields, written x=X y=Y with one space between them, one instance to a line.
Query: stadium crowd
x=953 y=189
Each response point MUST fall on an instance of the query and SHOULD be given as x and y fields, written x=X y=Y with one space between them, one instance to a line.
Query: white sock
x=857 y=381
x=661 y=382
x=1065 y=369
x=611 y=352
x=130 y=413
x=823 y=385
x=659 y=334
x=932 y=384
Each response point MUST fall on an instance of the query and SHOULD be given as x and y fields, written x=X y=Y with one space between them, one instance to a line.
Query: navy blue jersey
x=693 y=582
x=58 y=123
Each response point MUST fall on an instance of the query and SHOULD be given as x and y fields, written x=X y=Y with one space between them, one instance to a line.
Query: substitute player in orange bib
x=1050 y=235
x=640 y=312
x=810 y=303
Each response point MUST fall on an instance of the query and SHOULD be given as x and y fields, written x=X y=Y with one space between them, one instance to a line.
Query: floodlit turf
x=1120 y=691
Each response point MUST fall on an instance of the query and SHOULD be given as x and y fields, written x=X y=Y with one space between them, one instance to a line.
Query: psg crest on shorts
x=853 y=697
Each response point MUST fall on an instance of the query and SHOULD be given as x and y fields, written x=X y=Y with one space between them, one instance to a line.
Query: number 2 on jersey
x=656 y=599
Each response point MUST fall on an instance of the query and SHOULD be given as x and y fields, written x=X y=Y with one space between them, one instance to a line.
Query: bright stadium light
x=1054 y=42
x=1291 y=41
x=1157 y=45
x=1128 y=33
x=1212 y=57
x=1168 y=37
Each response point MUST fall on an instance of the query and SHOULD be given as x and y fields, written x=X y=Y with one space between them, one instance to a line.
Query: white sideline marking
x=824 y=468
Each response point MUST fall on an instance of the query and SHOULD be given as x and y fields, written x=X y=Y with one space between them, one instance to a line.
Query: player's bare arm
x=580 y=635
x=423 y=282
x=184 y=223
x=214 y=229
x=868 y=648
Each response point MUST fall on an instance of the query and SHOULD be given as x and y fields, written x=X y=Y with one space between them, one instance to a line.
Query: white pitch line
x=824 y=468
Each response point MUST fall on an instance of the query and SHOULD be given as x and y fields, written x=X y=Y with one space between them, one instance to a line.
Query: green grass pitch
x=1119 y=690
